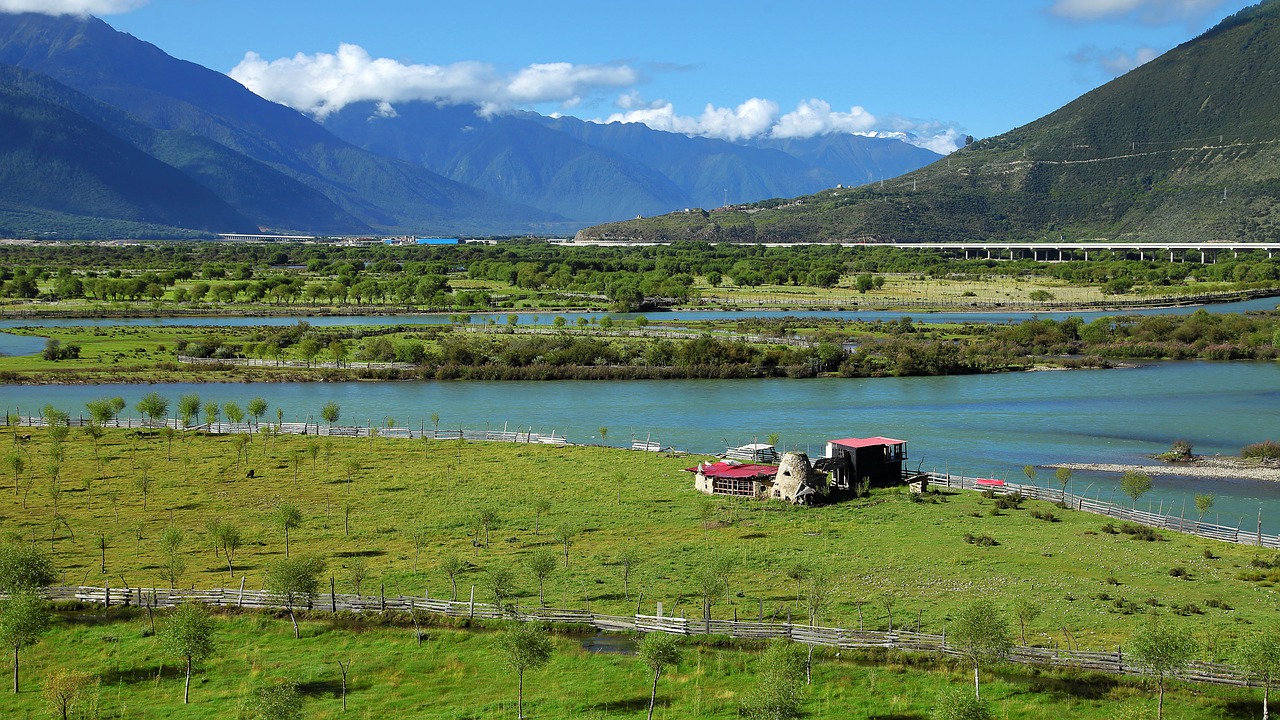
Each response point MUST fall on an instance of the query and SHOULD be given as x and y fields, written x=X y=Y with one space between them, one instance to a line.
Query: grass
x=884 y=553
x=457 y=674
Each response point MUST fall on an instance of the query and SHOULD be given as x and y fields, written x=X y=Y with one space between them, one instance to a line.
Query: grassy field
x=883 y=554
x=457 y=674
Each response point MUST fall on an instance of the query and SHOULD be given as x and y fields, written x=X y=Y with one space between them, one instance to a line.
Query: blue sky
x=938 y=70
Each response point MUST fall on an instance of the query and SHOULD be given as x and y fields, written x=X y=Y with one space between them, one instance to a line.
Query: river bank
x=1202 y=467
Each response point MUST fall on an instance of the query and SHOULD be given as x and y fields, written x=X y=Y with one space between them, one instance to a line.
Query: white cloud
x=1151 y=12
x=326 y=82
x=1116 y=61
x=758 y=118
x=71 y=7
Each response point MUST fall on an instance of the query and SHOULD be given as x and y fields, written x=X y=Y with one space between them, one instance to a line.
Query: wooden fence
x=309 y=428
x=1176 y=523
x=833 y=637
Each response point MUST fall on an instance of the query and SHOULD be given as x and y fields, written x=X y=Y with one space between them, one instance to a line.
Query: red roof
x=736 y=471
x=867 y=442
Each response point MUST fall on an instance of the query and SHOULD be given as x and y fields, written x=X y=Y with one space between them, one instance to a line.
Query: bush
x=1265 y=450
x=980 y=540
x=1179 y=572
x=1045 y=515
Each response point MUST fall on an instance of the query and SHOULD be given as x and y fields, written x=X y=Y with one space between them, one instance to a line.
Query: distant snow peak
x=760 y=118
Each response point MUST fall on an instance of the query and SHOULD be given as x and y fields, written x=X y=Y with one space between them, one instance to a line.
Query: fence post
x=108 y=593
x=240 y=599
x=382 y=597
x=333 y=595
x=471 y=604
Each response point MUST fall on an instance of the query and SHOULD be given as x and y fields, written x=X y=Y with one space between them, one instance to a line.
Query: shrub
x=1045 y=515
x=1179 y=572
x=1265 y=450
x=980 y=540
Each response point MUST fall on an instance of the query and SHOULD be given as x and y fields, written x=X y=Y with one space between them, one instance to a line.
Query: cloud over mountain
x=327 y=82
x=1150 y=12
x=71 y=7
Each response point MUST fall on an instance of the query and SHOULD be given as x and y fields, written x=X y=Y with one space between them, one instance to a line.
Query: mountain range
x=1183 y=148
x=104 y=135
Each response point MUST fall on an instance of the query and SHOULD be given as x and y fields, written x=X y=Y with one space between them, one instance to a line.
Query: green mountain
x=1186 y=147
x=268 y=152
x=55 y=160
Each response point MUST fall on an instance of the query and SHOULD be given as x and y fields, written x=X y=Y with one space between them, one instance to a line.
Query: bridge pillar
x=1170 y=256
x=1202 y=261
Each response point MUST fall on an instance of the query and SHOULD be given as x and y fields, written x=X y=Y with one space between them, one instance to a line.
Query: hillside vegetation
x=1184 y=148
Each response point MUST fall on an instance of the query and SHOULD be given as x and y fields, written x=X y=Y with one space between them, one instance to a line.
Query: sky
x=933 y=71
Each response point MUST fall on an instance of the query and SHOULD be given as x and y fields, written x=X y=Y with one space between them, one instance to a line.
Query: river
x=990 y=425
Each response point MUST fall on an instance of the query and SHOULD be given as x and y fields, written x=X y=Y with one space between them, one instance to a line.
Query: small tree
x=24 y=567
x=1204 y=503
x=541 y=565
x=453 y=566
x=257 y=408
x=295 y=583
x=1030 y=472
x=565 y=535
x=1063 y=474
x=541 y=506
x=1259 y=655
x=709 y=588
x=658 y=651
x=604 y=433
x=233 y=411
x=525 y=646
x=152 y=406
x=212 y=411
x=286 y=516
x=958 y=704
x=499 y=580
x=228 y=537
x=629 y=558
x=1026 y=611
x=1135 y=484
x=981 y=635
x=64 y=690
x=798 y=573
x=357 y=571
x=486 y=519
x=279 y=701
x=817 y=595
x=188 y=635
x=24 y=617
x=331 y=412
x=189 y=409
x=1162 y=650
x=777 y=692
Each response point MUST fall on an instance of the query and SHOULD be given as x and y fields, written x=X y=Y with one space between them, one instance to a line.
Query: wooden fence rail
x=1174 y=523
x=841 y=638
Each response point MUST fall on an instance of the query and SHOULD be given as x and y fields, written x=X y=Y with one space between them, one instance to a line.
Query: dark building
x=878 y=458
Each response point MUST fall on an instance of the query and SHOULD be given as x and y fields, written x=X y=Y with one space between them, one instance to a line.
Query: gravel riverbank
x=1209 y=467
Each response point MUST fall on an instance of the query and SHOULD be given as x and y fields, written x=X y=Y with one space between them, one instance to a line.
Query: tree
x=357 y=571
x=541 y=565
x=1135 y=484
x=629 y=558
x=1063 y=474
x=233 y=411
x=228 y=537
x=564 y=535
x=541 y=506
x=257 y=408
x=24 y=617
x=188 y=635
x=817 y=595
x=295 y=583
x=658 y=651
x=777 y=692
x=797 y=573
x=212 y=411
x=1162 y=650
x=486 y=519
x=525 y=646
x=64 y=691
x=1030 y=472
x=1204 y=503
x=286 y=516
x=958 y=704
x=103 y=410
x=1026 y=610
x=278 y=701
x=499 y=580
x=1259 y=655
x=189 y=409
x=981 y=635
x=331 y=412
x=152 y=406
x=453 y=566
x=710 y=587
x=24 y=567
x=604 y=433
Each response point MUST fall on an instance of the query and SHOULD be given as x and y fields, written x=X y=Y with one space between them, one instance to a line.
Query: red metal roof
x=867 y=442
x=736 y=471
